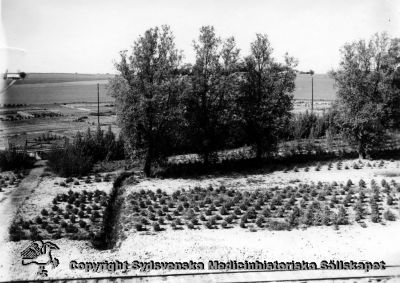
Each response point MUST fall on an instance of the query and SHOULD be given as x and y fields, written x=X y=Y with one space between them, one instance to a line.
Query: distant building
x=12 y=76
x=25 y=115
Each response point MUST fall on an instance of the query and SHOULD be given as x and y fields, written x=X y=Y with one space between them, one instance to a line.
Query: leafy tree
x=147 y=92
x=369 y=101
x=265 y=98
x=212 y=84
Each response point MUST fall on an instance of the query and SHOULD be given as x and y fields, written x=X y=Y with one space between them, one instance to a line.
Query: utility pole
x=98 y=106
x=311 y=73
x=312 y=93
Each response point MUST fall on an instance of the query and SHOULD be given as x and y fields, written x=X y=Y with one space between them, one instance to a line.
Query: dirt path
x=10 y=205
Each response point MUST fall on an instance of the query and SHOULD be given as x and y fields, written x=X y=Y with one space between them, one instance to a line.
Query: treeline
x=79 y=157
x=225 y=100
x=221 y=101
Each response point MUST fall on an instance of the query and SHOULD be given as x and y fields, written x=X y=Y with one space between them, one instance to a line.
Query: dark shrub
x=82 y=223
x=139 y=227
x=38 y=220
x=375 y=216
x=389 y=200
x=209 y=224
x=15 y=232
x=342 y=217
x=388 y=215
x=260 y=220
x=15 y=159
x=224 y=224
x=71 y=228
x=278 y=226
x=156 y=226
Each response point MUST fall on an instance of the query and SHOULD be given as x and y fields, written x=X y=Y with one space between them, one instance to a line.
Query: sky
x=85 y=36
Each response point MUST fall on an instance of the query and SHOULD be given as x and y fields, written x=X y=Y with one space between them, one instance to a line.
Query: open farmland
x=69 y=119
x=36 y=78
x=64 y=88
x=63 y=92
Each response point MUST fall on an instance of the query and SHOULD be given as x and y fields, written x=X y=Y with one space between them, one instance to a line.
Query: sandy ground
x=375 y=243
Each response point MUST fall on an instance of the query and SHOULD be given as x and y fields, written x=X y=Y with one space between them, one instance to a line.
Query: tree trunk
x=206 y=157
x=147 y=164
x=259 y=152
x=361 y=151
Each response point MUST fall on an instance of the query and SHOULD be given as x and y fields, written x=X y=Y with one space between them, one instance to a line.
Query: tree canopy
x=369 y=101
x=147 y=94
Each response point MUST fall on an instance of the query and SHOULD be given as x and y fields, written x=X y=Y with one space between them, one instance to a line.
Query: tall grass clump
x=15 y=159
x=78 y=158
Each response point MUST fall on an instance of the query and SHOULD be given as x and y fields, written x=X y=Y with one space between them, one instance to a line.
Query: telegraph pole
x=312 y=93
x=98 y=105
x=311 y=73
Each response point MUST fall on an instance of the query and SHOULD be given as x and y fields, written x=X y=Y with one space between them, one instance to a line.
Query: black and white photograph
x=200 y=141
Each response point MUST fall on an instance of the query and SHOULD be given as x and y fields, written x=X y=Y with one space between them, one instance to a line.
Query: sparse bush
x=209 y=224
x=260 y=221
x=156 y=227
x=388 y=215
x=342 y=217
x=278 y=226
x=375 y=216
x=139 y=227
x=224 y=224
x=389 y=200
x=82 y=223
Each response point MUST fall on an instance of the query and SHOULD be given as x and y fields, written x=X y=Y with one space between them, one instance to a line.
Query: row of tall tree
x=166 y=107
x=224 y=100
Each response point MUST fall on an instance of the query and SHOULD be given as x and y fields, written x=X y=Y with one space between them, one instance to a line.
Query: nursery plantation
x=275 y=208
x=75 y=215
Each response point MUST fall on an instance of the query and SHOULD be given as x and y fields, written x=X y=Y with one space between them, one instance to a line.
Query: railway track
x=390 y=274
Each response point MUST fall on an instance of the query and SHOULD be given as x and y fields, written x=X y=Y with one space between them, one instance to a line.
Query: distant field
x=70 y=88
x=323 y=87
x=36 y=78
x=50 y=93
